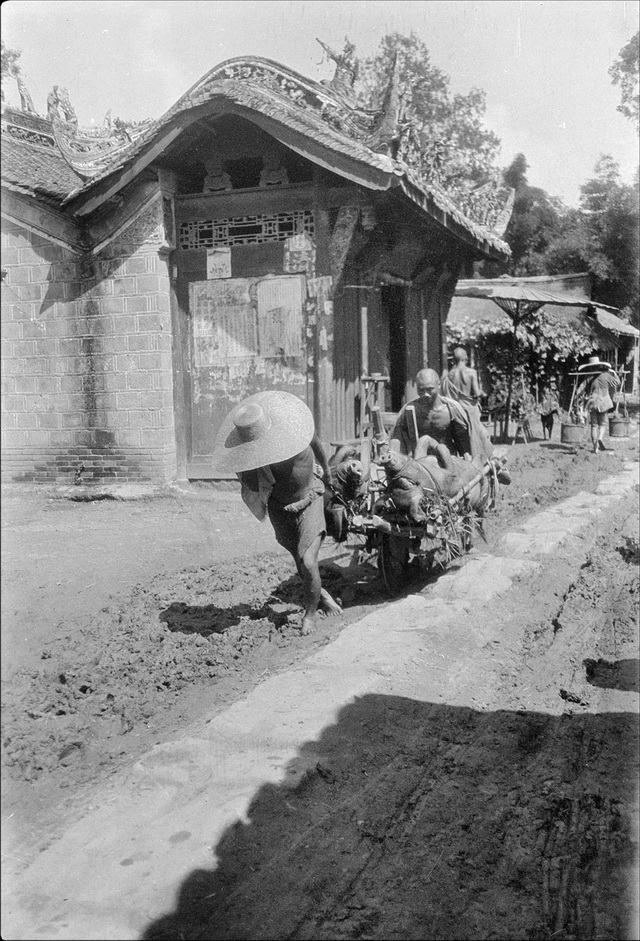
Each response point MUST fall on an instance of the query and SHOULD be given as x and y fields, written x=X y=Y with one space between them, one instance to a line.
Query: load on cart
x=415 y=511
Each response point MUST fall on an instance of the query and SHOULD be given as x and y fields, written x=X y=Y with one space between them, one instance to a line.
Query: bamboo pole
x=412 y=425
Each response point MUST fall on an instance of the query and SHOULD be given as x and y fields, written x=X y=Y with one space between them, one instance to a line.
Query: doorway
x=392 y=300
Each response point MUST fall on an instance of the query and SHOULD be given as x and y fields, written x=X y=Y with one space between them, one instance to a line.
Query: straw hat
x=265 y=428
x=594 y=362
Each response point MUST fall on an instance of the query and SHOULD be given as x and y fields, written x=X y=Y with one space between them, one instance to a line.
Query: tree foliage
x=601 y=237
x=9 y=66
x=625 y=72
x=533 y=221
x=454 y=119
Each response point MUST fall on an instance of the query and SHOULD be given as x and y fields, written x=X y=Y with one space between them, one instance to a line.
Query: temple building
x=267 y=232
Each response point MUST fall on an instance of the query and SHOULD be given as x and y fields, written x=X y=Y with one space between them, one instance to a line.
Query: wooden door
x=247 y=335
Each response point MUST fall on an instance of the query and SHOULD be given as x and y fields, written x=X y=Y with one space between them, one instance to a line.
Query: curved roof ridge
x=313 y=118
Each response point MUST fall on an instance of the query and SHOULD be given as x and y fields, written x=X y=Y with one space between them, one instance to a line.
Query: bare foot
x=328 y=605
x=308 y=625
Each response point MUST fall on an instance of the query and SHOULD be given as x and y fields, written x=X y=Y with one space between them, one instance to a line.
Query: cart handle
x=461 y=494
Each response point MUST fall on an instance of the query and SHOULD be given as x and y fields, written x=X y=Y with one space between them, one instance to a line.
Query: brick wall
x=86 y=358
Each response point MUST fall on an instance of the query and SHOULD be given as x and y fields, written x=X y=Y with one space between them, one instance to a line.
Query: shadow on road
x=413 y=820
x=621 y=674
x=354 y=585
x=566 y=448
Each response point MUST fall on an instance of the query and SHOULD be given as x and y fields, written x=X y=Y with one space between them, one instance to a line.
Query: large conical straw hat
x=265 y=428
x=595 y=363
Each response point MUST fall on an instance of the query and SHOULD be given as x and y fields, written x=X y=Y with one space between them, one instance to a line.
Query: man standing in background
x=461 y=382
x=599 y=389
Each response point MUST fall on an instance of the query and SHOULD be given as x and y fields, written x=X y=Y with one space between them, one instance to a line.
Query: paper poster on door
x=224 y=322
x=218 y=263
x=280 y=322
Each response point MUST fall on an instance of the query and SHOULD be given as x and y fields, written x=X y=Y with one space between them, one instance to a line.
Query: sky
x=543 y=64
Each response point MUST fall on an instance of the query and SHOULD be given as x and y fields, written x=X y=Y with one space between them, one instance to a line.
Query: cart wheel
x=393 y=560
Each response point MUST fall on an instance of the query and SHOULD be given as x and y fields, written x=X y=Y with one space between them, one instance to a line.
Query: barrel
x=571 y=434
x=618 y=427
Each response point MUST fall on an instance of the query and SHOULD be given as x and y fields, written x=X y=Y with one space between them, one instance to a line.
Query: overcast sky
x=542 y=63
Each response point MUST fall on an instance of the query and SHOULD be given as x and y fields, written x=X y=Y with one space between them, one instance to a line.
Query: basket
x=571 y=434
x=618 y=427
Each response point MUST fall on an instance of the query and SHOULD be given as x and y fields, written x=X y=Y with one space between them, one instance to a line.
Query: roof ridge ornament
x=384 y=138
x=26 y=102
x=337 y=105
x=346 y=72
x=400 y=135
x=89 y=150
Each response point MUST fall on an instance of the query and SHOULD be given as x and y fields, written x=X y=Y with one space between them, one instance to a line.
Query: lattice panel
x=246 y=230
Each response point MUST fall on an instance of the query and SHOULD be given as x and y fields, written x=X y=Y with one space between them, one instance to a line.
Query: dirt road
x=501 y=809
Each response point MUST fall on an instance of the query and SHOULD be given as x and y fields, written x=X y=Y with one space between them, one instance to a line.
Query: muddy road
x=506 y=815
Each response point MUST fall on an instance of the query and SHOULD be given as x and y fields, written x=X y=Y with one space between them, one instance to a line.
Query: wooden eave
x=29 y=211
x=85 y=202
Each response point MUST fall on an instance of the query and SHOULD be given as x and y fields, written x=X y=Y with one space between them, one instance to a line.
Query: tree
x=9 y=67
x=534 y=221
x=601 y=237
x=625 y=72
x=454 y=120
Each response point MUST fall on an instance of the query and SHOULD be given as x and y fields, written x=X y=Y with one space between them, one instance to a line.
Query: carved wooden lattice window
x=246 y=230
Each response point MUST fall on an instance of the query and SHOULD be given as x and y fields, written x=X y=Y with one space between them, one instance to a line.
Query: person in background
x=269 y=441
x=600 y=384
x=549 y=406
x=461 y=382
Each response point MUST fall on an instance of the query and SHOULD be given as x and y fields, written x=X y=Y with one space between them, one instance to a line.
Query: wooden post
x=512 y=364
x=323 y=293
x=324 y=361
x=364 y=364
x=364 y=332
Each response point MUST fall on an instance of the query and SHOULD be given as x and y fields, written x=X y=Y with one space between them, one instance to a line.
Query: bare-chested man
x=434 y=417
x=446 y=422
x=270 y=442
x=461 y=382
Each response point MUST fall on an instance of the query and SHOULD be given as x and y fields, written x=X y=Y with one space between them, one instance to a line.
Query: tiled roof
x=315 y=118
x=611 y=322
x=312 y=111
x=37 y=171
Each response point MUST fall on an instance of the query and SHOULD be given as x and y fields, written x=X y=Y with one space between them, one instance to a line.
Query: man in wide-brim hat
x=269 y=441
x=594 y=364
x=600 y=384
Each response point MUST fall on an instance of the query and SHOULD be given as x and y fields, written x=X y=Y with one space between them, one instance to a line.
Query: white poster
x=224 y=321
x=280 y=322
x=218 y=263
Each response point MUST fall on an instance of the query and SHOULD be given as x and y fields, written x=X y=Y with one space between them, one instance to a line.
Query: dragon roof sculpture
x=89 y=151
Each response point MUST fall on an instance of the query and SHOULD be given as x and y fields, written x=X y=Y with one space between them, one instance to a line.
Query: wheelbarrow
x=409 y=532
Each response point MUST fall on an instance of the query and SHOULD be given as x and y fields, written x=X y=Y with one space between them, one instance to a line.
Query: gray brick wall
x=86 y=359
